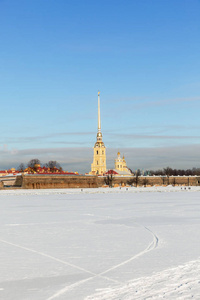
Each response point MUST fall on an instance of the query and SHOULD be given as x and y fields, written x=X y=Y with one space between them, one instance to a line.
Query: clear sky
x=144 y=57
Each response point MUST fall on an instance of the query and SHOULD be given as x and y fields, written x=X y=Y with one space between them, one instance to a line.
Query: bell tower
x=98 y=167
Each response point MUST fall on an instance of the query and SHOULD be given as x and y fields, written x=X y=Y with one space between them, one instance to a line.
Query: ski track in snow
x=150 y=247
x=182 y=282
x=58 y=260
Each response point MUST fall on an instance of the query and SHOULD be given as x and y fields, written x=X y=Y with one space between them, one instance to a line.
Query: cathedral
x=120 y=166
x=98 y=167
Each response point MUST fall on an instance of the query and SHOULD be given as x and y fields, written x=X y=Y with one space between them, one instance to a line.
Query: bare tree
x=109 y=180
x=53 y=164
x=130 y=181
x=137 y=175
x=168 y=171
x=21 y=167
x=163 y=179
x=33 y=162
x=145 y=181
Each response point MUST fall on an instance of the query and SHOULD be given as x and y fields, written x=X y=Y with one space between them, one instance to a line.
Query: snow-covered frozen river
x=136 y=243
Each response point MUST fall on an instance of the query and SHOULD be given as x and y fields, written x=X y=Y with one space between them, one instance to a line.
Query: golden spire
x=99 y=117
x=99 y=134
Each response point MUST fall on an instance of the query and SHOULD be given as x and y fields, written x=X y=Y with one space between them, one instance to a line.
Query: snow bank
x=181 y=282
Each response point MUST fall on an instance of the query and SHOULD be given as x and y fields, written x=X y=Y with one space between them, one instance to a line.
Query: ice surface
x=134 y=243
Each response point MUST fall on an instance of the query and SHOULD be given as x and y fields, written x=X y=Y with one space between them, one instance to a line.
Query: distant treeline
x=173 y=172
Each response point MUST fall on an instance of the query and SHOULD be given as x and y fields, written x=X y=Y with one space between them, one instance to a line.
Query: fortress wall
x=157 y=180
x=58 y=181
x=73 y=181
x=171 y=180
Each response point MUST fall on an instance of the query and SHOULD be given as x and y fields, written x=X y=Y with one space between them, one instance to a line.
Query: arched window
x=97 y=152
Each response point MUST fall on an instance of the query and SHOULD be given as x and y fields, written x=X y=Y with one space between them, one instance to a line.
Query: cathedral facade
x=120 y=165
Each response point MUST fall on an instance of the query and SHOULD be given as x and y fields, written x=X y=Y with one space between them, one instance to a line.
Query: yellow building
x=98 y=167
x=120 y=165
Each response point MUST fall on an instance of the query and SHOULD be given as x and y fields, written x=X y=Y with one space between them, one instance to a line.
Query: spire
x=99 y=134
x=99 y=116
x=98 y=167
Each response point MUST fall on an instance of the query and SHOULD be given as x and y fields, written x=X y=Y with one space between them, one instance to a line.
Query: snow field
x=100 y=244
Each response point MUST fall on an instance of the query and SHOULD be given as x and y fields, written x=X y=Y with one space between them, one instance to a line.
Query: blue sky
x=142 y=55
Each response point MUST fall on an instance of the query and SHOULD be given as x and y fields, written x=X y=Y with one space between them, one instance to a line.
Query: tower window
x=97 y=152
x=97 y=162
x=102 y=151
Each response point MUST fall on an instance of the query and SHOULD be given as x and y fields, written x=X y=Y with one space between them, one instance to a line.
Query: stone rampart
x=158 y=180
x=37 y=181
x=58 y=181
x=169 y=180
